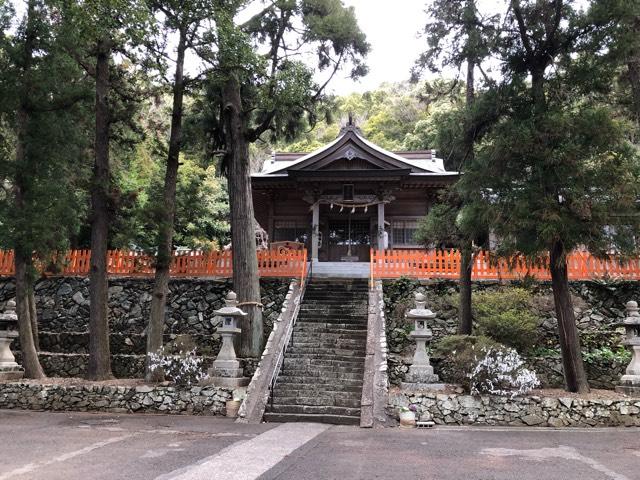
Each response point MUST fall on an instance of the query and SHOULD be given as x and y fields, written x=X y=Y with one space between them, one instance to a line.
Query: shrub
x=501 y=372
x=458 y=356
x=182 y=367
x=505 y=316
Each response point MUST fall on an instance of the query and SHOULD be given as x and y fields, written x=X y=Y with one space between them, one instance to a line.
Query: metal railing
x=288 y=335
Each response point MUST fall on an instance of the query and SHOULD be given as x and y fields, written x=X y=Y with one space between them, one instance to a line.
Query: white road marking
x=248 y=460
x=564 y=452
x=30 y=467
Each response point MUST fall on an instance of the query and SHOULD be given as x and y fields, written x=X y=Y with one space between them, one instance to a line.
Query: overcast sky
x=391 y=27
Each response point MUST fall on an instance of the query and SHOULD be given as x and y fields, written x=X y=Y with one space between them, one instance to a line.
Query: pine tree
x=41 y=114
x=556 y=173
x=458 y=36
x=256 y=94
x=186 y=19
x=96 y=31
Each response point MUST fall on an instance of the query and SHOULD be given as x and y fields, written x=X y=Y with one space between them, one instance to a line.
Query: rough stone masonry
x=63 y=316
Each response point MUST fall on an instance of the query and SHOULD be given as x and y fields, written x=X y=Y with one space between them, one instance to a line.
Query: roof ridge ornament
x=350 y=126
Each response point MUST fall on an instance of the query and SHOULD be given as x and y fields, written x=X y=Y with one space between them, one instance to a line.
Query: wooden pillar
x=381 y=226
x=271 y=229
x=315 y=229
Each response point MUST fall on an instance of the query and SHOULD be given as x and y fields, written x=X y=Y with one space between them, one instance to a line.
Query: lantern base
x=11 y=373
x=419 y=387
x=629 y=385
x=421 y=374
x=226 y=381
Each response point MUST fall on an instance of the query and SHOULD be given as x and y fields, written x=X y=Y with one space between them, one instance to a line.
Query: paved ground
x=81 y=446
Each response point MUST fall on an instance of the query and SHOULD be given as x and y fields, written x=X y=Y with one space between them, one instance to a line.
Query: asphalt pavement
x=70 y=446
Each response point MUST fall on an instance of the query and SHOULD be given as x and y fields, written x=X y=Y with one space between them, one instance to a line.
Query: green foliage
x=396 y=116
x=605 y=354
x=459 y=354
x=505 y=316
x=44 y=164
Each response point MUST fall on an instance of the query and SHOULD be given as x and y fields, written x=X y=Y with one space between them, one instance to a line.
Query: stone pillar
x=9 y=368
x=630 y=382
x=315 y=231
x=420 y=375
x=226 y=370
x=381 y=226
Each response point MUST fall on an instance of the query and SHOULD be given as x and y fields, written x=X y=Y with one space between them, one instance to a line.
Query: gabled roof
x=351 y=146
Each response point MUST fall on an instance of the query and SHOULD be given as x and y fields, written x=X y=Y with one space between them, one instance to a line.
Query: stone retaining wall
x=63 y=317
x=603 y=373
x=208 y=400
x=454 y=409
x=598 y=306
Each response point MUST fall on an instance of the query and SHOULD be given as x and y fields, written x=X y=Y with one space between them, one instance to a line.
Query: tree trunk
x=465 y=320
x=246 y=280
x=574 y=373
x=99 y=367
x=633 y=70
x=30 y=361
x=33 y=315
x=634 y=79
x=166 y=226
x=22 y=255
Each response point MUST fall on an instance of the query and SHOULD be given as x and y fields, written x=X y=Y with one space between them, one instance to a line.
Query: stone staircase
x=321 y=377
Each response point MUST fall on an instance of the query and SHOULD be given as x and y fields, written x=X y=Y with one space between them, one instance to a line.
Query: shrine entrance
x=348 y=238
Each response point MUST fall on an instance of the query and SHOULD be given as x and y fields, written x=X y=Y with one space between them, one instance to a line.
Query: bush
x=505 y=316
x=501 y=372
x=458 y=355
x=179 y=364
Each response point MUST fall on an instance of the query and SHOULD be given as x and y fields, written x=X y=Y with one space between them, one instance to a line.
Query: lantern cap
x=421 y=311
x=230 y=308
x=9 y=314
x=633 y=317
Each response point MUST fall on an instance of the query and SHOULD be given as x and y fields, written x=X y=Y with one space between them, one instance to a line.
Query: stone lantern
x=226 y=370
x=9 y=368
x=630 y=382
x=420 y=375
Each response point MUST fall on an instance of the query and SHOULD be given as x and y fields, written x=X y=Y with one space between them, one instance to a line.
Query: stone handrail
x=375 y=387
x=257 y=396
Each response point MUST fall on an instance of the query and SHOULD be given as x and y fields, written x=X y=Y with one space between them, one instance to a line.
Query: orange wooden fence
x=271 y=263
x=434 y=264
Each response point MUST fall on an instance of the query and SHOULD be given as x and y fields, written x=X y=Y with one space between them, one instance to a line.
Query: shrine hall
x=348 y=197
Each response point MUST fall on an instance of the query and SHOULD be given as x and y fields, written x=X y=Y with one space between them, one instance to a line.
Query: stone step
x=334 y=353
x=336 y=400
x=324 y=342
x=338 y=312
x=329 y=331
x=324 y=374
x=328 y=338
x=338 y=328
x=324 y=368
x=316 y=390
x=361 y=322
x=322 y=380
x=314 y=410
x=298 y=417
x=317 y=328
x=315 y=359
x=333 y=298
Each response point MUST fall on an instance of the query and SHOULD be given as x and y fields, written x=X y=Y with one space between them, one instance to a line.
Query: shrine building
x=347 y=197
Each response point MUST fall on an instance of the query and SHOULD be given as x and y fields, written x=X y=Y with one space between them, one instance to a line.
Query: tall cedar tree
x=186 y=19
x=40 y=91
x=457 y=36
x=556 y=173
x=103 y=28
x=617 y=43
x=257 y=89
